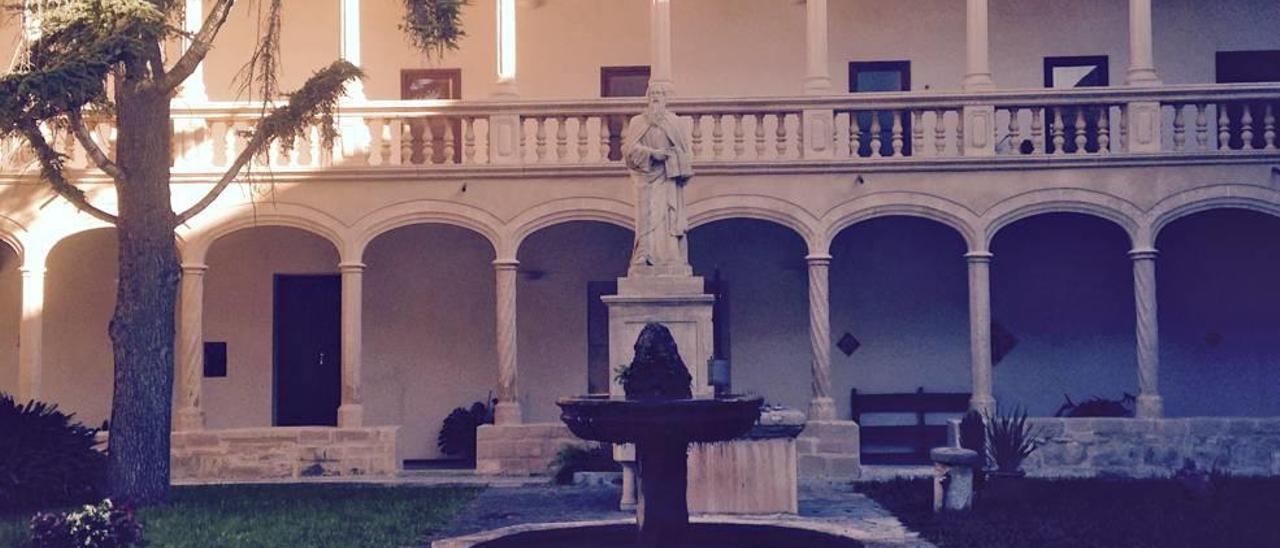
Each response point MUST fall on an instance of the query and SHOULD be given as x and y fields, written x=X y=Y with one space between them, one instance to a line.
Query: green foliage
x=434 y=26
x=1009 y=439
x=103 y=525
x=458 y=432
x=46 y=458
x=590 y=457
x=313 y=104
x=1098 y=406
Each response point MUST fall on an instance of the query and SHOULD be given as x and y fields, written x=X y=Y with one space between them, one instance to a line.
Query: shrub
x=591 y=457
x=1009 y=439
x=95 y=526
x=47 y=459
x=458 y=432
x=973 y=436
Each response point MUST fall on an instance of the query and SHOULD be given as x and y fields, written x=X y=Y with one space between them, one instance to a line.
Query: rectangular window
x=1088 y=71
x=1247 y=67
x=419 y=84
x=881 y=76
x=215 y=359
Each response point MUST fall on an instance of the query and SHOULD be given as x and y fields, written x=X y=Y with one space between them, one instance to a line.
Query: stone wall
x=284 y=452
x=1154 y=447
x=829 y=450
x=520 y=450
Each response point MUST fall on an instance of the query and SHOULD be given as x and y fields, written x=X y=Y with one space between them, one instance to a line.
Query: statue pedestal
x=677 y=302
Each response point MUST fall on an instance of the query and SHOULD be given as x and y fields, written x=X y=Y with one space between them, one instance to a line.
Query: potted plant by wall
x=1010 y=440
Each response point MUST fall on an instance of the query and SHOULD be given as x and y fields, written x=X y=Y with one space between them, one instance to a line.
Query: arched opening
x=10 y=317
x=1062 y=310
x=757 y=270
x=80 y=298
x=899 y=311
x=429 y=321
x=1219 y=310
x=250 y=296
x=562 y=325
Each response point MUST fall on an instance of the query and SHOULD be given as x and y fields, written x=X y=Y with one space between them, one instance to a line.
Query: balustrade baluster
x=1246 y=127
x=562 y=139
x=855 y=136
x=717 y=136
x=759 y=135
x=1104 y=130
x=469 y=139
x=1224 y=128
x=429 y=142
x=1015 y=129
x=316 y=141
x=960 y=132
x=895 y=134
x=697 y=134
x=1037 y=130
x=940 y=131
x=1179 y=128
x=582 y=139
x=1202 y=126
x=780 y=135
x=1269 y=128
x=1059 y=132
x=1082 y=131
x=540 y=136
x=450 y=147
x=304 y=149
x=739 y=137
x=876 y=141
x=917 y=132
x=604 y=139
x=219 y=129
x=376 y=128
x=406 y=143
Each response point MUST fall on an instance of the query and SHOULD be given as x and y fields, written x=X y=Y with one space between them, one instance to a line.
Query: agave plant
x=1009 y=439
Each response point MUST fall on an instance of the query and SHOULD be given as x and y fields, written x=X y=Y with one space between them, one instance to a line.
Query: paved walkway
x=831 y=504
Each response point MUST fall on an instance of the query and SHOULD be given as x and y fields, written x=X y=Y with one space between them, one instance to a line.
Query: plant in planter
x=458 y=432
x=1010 y=440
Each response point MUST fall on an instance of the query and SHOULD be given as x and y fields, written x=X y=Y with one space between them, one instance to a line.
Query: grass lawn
x=289 y=516
x=1237 y=512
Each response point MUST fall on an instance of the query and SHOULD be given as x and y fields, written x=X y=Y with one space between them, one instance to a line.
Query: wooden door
x=308 y=349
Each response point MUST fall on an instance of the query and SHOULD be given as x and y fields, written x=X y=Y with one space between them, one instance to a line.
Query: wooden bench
x=911 y=441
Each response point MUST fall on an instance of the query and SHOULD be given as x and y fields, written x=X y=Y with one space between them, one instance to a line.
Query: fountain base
x=622 y=534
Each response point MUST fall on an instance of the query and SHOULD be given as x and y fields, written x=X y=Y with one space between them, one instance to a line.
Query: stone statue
x=661 y=163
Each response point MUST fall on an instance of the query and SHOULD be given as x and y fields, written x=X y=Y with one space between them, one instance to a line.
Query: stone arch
x=386 y=219
x=1065 y=200
x=201 y=238
x=758 y=207
x=1228 y=196
x=615 y=212
x=11 y=234
x=907 y=204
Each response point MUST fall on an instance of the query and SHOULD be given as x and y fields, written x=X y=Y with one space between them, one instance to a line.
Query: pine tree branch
x=201 y=43
x=51 y=170
x=255 y=146
x=91 y=148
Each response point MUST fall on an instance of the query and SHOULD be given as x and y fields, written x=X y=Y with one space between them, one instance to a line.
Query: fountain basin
x=718 y=532
x=617 y=420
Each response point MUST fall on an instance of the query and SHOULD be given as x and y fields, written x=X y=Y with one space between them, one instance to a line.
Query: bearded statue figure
x=658 y=156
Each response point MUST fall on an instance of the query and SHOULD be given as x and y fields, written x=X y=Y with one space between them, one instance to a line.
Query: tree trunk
x=142 y=328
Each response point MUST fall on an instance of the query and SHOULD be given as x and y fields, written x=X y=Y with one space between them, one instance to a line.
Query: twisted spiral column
x=1150 y=405
x=508 y=408
x=190 y=416
x=823 y=407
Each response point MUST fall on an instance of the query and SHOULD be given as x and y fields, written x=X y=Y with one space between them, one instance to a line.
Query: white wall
x=429 y=320
x=10 y=317
x=239 y=309
x=80 y=296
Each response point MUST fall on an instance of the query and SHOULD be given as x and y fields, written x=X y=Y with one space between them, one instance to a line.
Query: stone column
x=350 y=20
x=189 y=415
x=193 y=89
x=660 y=42
x=351 y=411
x=823 y=406
x=817 y=80
x=508 y=410
x=1142 y=68
x=1150 y=405
x=31 y=334
x=506 y=33
x=978 y=51
x=980 y=330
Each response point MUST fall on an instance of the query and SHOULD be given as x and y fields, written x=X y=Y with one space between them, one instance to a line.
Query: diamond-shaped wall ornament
x=848 y=344
x=1002 y=342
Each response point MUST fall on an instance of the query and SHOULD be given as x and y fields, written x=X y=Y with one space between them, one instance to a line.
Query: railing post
x=1142 y=120
x=504 y=139
x=818 y=127
x=979 y=130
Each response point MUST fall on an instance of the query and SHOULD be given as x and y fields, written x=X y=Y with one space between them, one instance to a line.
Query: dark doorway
x=308 y=349
x=628 y=81
x=1247 y=67
x=432 y=84
x=1075 y=72
x=598 y=370
x=881 y=76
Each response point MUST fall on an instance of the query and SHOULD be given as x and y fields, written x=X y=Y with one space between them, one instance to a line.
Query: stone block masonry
x=284 y=452
x=1154 y=447
x=520 y=449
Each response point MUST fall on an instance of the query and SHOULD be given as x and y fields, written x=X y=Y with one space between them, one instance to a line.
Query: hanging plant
x=434 y=26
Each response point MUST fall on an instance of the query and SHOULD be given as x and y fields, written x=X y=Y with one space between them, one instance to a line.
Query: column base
x=350 y=415
x=829 y=451
x=1150 y=406
x=985 y=405
x=508 y=413
x=979 y=82
x=188 y=419
x=822 y=409
x=1142 y=78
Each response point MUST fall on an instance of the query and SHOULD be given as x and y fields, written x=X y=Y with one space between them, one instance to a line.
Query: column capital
x=351 y=267
x=506 y=264
x=1144 y=254
x=194 y=269
x=978 y=257
x=818 y=259
x=32 y=271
